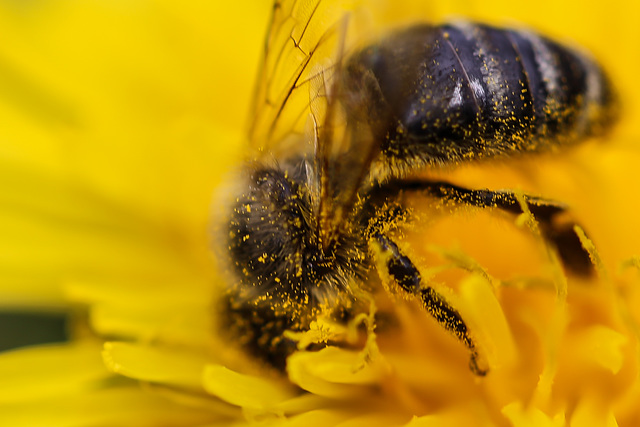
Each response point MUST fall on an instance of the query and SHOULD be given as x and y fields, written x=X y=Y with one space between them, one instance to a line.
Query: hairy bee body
x=284 y=277
x=301 y=233
x=455 y=92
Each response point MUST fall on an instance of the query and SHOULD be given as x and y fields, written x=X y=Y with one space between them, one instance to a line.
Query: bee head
x=269 y=235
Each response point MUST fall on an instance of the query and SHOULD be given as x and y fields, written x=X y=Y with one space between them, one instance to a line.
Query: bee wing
x=300 y=80
x=299 y=52
x=348 y=142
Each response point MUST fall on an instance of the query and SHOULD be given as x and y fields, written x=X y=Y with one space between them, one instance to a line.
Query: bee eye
x=265 y=231
x=272 y=186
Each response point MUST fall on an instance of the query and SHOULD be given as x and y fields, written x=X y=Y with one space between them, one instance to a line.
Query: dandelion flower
x=119 y=122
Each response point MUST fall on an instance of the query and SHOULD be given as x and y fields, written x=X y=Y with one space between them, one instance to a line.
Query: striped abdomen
x=461 y=91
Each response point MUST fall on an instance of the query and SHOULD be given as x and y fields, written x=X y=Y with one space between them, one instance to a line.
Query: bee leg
x=407 y=277
x=553 y=219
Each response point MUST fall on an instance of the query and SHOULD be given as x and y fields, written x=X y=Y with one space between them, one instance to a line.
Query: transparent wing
x=299 y=55
x=298 y=101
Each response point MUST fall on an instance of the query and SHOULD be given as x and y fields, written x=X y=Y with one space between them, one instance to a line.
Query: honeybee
x=316 y=214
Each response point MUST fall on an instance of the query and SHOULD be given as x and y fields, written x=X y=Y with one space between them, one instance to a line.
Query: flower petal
x=531 y=417
x=148 y=310
x=590 y=412
x=245 y=390
x=155 y=364
x=115 y=406
x=85 y=116
x=47 y=371
x=489 y=320
x=602 y=346
x=333 y=372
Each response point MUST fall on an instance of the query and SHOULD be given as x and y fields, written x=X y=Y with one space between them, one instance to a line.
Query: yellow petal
x=317 y=418
x=531 y=417
x=591 y=413
x=69 y=233
x=49 y=371
x=374 y=418
x=125 y=405
x=472 y=415
x=245 y=390
x=490 y=323
x=332 y=372
x=601 y=346
x=169 y=324
x=86 y=116
x=155 y=364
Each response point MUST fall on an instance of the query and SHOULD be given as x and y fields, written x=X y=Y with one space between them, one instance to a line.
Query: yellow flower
x=119 y=120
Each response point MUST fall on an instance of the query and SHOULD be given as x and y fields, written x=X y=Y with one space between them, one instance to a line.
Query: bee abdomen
x=465 y=90
x=571 y=96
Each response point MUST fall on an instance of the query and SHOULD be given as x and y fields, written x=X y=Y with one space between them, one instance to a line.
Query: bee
x=316 y=213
